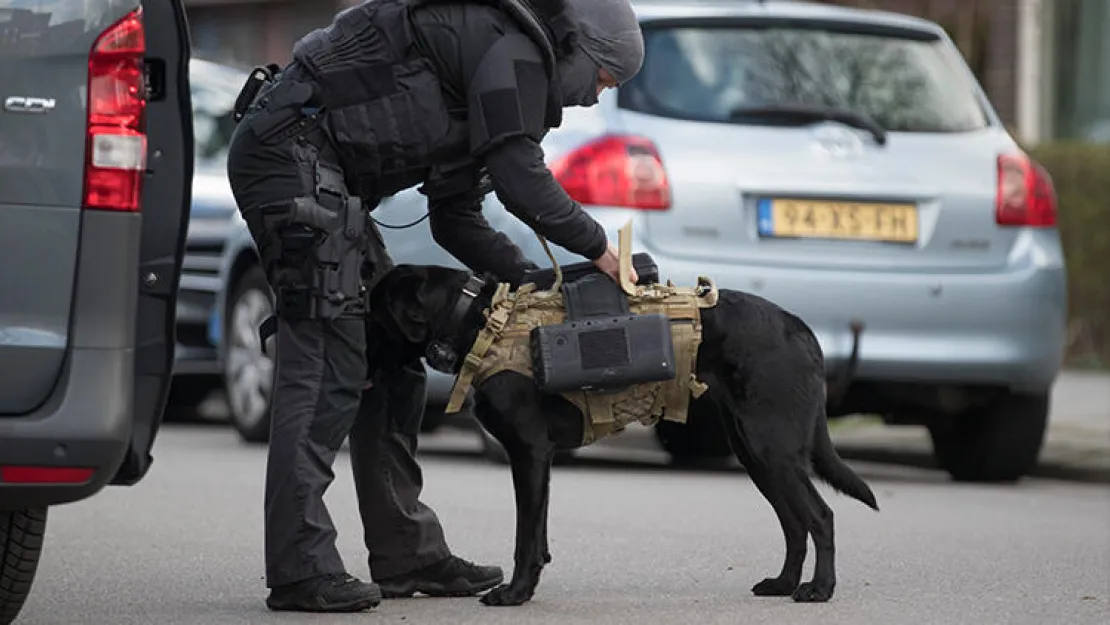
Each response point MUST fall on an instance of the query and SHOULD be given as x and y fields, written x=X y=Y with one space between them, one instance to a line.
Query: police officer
x=452 y=95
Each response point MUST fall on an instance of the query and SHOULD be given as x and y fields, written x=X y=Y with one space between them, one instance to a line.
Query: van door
x=67 y=71
x=166 y=197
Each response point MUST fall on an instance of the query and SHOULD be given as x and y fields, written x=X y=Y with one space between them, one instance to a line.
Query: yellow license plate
x=838 y=220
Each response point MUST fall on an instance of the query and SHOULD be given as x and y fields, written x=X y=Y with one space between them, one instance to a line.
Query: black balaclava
x=609 y=36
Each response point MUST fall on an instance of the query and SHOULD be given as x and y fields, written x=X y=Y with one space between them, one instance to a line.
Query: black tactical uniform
x=453 y=96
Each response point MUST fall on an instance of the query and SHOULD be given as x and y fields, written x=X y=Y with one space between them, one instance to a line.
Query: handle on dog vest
x=558 y=284
x=624 y=254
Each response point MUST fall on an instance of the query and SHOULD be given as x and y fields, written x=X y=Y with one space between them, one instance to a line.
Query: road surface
x=633 y=542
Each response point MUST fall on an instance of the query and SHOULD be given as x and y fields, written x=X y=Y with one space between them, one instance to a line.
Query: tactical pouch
x=603 y=354
x=601 y=346
x=646 y=270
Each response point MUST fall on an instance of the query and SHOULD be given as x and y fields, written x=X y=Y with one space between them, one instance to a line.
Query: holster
x=314 y=247
x=258 y=78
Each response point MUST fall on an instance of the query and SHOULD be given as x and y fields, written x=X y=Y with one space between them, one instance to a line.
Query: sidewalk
x=1077 y=445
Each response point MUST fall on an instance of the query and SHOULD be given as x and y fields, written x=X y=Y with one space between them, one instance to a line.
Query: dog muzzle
x=443 y=351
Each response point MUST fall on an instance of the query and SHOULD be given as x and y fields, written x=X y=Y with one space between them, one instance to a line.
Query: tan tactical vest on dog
x=503 y=345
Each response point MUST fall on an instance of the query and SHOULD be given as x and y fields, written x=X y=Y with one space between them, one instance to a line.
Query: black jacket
x=455 y=37
x=468 y=97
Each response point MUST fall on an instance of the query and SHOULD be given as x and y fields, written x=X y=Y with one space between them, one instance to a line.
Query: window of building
x=1079 y=80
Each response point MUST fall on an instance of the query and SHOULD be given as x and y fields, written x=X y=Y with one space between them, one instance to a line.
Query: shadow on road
x=879 y=462
x=887 y=472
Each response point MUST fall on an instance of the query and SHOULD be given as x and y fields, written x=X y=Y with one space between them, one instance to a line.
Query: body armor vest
x=382 y=99
x=503 y=345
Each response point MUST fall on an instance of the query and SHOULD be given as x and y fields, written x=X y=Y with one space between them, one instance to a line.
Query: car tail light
x=115 y=151
x=45 y=475
x=1026 y=196
x=615 y=170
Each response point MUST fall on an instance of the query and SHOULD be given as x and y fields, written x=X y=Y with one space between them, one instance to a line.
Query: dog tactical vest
x=503 y=344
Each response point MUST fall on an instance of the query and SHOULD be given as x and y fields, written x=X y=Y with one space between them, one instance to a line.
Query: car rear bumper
x=1002 y=329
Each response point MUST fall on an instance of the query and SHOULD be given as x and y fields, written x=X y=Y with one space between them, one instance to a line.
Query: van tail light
x=115 y=150
x=45 y=475
x=615 y=170
x=1026 y=196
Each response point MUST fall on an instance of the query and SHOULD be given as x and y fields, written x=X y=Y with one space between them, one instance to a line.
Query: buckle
x=474 y=286
x=472 y=361
x=497 y=321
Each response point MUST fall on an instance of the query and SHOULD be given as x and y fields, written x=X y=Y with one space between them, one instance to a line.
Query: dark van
x=96 y=158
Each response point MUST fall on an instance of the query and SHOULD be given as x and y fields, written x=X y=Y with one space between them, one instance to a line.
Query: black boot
x=450 y=577
x=327 y=593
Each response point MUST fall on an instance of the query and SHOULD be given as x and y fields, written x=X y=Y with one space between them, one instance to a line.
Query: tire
x=187 y=393
x=434 y=416
x=248 y=373
x=21 y=537
x=998 y=443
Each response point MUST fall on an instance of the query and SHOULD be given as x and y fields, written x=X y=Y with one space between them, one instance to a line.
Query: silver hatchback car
x=846 y=165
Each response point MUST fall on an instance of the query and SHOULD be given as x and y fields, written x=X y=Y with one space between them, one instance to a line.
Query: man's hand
x=609 y=263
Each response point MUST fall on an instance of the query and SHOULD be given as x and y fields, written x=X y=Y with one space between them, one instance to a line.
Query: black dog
x=766 y=377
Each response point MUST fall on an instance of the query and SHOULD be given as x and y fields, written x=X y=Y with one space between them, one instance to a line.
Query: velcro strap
x=600 y=407
x=473 y=361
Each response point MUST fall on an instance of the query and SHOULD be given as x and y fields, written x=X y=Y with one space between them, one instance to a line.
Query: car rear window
x=708 y=73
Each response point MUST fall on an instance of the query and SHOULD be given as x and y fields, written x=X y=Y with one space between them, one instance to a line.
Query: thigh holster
x=314 y=247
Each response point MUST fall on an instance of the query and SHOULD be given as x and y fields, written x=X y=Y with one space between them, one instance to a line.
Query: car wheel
x=21 y=536
x=186 y=395
x=997 y=443
x=248 y=373
x=434 y=416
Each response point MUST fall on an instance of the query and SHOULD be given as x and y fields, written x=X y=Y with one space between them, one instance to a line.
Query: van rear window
x=710 y=73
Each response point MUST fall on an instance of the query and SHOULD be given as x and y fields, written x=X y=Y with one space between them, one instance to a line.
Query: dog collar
x=442 y=353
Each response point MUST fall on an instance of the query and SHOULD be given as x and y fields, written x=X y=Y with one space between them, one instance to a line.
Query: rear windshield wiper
x=814 y=114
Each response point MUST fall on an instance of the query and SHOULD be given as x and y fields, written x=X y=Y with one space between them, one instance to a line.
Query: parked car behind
x=96 y=155
x=847 y=165
x=197 y=368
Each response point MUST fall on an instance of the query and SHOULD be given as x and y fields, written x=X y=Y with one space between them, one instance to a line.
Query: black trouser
x=319 y=399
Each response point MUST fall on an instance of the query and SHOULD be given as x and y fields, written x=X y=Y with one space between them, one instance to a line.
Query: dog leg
x=820 y=521
x=794 y=533
x=793 y=528
x=546 y=548
x=531 y=478
x=767 y=475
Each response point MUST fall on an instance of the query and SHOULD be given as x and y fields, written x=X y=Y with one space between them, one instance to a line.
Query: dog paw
x=813 y=592
x=505 y=595
x=774 y=587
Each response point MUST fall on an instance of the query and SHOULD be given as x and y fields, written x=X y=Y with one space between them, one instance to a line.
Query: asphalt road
x=633 y=542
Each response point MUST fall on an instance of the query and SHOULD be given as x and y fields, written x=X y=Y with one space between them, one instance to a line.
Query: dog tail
x=831 y=468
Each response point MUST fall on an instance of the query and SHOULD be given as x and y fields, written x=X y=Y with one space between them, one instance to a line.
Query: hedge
x=1081 y=176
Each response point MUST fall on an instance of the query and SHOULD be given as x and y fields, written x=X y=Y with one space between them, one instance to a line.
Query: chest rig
x=517 y=321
